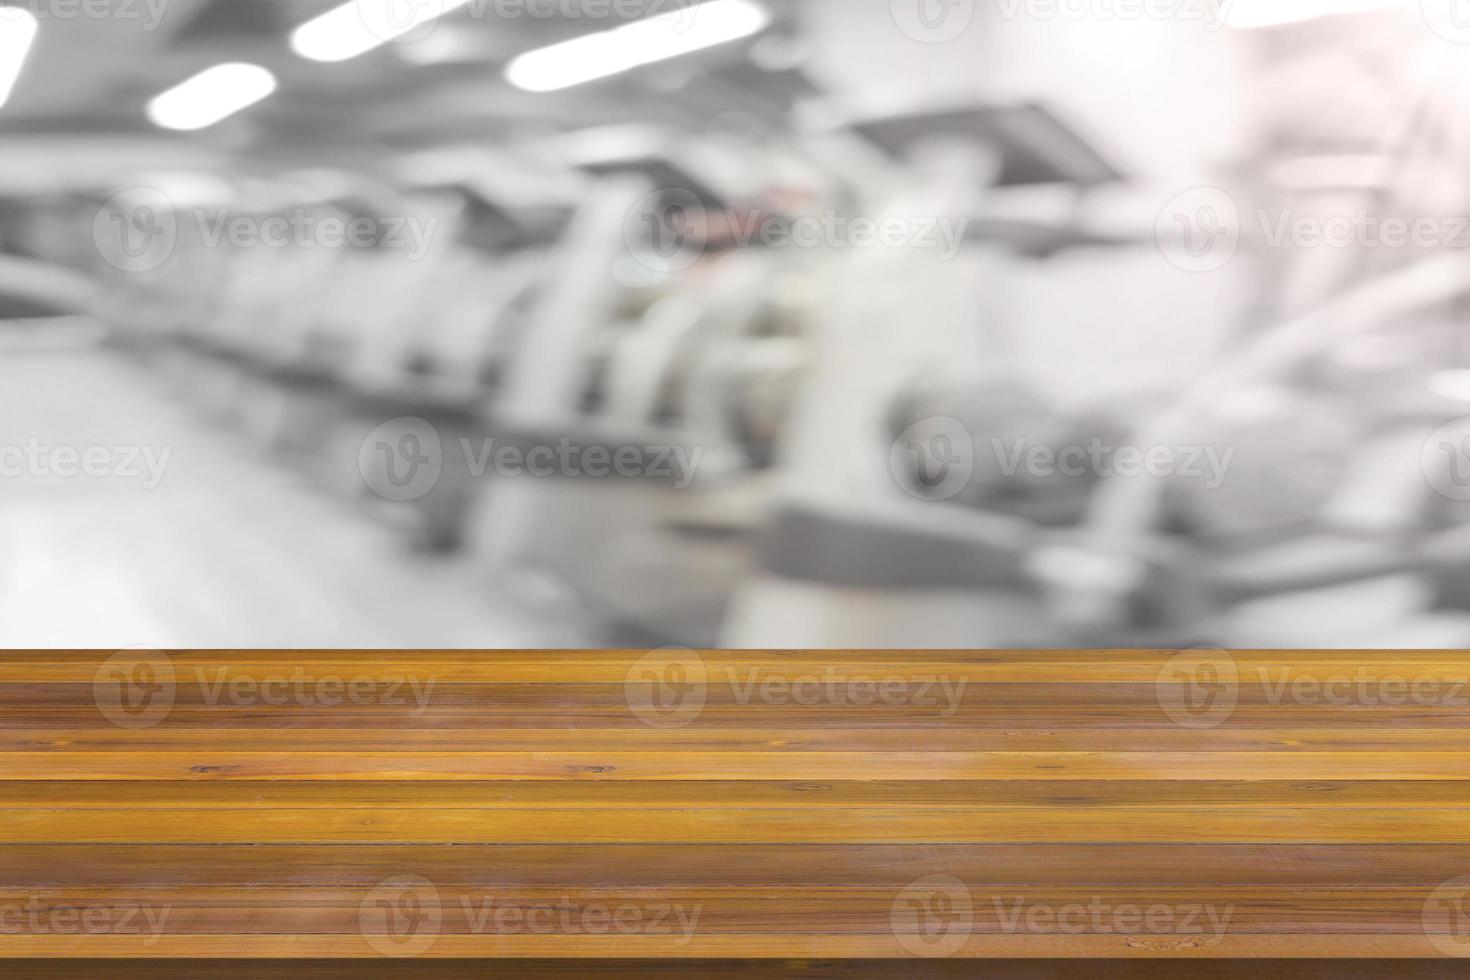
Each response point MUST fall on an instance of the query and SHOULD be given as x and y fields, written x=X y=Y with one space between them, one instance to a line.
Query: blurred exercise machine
x=1339 y=523
x=657 y=336
x=440 y=351
x=345 y=317
x=863 y=547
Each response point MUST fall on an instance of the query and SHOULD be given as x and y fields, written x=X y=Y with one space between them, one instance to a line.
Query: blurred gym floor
x=222 y=552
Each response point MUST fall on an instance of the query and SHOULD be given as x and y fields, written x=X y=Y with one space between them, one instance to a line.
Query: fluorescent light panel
x=213 y=94
x=18 y=28
x=358 y=26
x=642 y=42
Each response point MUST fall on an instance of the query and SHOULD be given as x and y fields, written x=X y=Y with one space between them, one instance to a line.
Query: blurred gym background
x=748 y=323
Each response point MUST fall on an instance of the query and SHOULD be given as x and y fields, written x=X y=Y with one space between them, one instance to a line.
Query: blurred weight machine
x=1344 y=521
x=913 y=354
x=820 y=385
x=1340 y=523
x=304 y=346
x=688 y=351
x=659 y=335
x=441 y=349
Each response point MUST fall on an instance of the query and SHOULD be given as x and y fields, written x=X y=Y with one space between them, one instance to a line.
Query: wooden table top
x=785 y=805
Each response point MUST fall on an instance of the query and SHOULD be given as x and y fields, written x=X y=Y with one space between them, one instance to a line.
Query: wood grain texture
x=793 y=806
x=810 y=969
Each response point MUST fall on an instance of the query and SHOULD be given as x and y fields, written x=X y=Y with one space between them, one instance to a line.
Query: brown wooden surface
x=535 y=804
x=730 y=969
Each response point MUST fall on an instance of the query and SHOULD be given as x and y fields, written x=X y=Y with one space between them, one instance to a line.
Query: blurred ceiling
x=94 y=76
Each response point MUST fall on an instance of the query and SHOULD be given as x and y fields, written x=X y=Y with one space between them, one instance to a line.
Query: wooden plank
x=1055 y=794
x=738 y=812
x=798 y=720
x=582 y=666
x=632 y=866
x=595 y=764
x=711 y=738
x=741 y=826
x=1017 y=804
x=1195 y=915
x=781 y=945
x=911 y=691
x=622 y=969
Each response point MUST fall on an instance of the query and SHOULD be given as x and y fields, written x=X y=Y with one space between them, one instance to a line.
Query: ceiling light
x=358 y=26
x=211 y=95
x=17 y=30
x=642 y=42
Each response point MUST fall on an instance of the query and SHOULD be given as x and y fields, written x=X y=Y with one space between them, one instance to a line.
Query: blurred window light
x=642 y=42
x=17 y=30
x=213 y=94
x=1274 y=13
x=359 y=26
